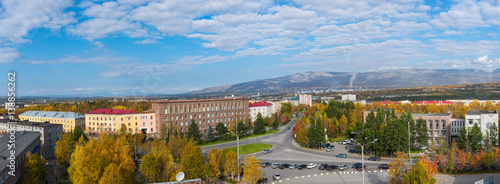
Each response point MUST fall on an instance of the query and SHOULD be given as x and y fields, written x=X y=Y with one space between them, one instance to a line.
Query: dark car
x=265 y=164
x=262 y=180
x=342 y=155
x=356 y=165
x=284 y=166
x=302 y=166
x=331 y=167
x=353 y=151
x=383 y=166
x=374 y=158
x=323 y=166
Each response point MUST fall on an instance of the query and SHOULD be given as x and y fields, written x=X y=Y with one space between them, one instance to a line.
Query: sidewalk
x=464 y=179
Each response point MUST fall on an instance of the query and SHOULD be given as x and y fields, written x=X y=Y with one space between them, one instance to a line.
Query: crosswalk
x=300 y=177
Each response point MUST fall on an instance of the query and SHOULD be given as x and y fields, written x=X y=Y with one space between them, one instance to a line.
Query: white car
x=311 y=165
x=267 y=151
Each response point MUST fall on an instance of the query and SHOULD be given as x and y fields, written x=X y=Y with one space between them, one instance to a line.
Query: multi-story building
x=484 y=119
x=348 y=97
x=25 y=142
x=276 y=105
x=205 y=112
x=111 y=120
x=49 y=133
x=147 y=123
x=455 y=126
x=69 y=120
x=262 y=107
x=305 y=99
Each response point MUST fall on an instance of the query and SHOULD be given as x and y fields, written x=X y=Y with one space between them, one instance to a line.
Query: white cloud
x=452 y=32
x=464 y=15
x=77 y=59
x=465 y=48
x=483 y=60
x=8 y=55
x=146 y=42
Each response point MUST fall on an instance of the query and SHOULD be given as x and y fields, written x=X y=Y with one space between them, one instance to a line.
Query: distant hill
x=372 y=80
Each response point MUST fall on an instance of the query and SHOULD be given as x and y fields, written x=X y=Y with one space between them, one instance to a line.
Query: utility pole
x=409 y=141
x=238 y=150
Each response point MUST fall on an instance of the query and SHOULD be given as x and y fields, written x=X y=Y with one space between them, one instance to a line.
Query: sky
x=144 y=47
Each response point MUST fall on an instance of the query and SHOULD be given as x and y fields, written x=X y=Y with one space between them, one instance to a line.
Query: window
x=444 y=124
x=430 y=124
x=470 y=121
x=128 y=124
x=151 y=129
x=151 y=124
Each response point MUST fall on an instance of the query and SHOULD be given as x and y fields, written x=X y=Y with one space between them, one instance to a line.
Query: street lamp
x=363 y=159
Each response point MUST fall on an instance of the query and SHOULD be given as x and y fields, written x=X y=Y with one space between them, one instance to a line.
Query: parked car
x=342 y=155
x=330 y=148
x=353 y=151
x=277 y=176
x=275 y=165
x=284 y=166
x=293 y=166
x=356 y=165
x=267 y=151
x=374 y=158
x=265 y=164
x=359 y=168
x=262 y=180
x=342 y=167
x=323 y=166
x=331 y=167
x=341 y=142
x=311 y=165
x=302 y=166
x=383 y=166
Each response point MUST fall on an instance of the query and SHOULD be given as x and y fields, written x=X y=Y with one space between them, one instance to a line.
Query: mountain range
x=387 y=79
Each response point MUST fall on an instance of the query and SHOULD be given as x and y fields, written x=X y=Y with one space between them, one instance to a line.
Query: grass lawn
x=417 y=151
x=241 y=138
x=252 y=148
x=337 y=139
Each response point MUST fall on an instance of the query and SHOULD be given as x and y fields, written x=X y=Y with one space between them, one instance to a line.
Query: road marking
x=280 y=181
x=296 y=177
x=381 y=170
x=369 y=171
x=321 y=174
x=308 y=175
x=303 y=176
x=352 y=172
x=287 y=179
x=374 y=171
x=315 y=175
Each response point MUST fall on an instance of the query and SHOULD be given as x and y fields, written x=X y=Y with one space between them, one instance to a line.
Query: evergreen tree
x=422 y=133
x=494 y=134
x=210 y=134
x=315 y=134
x=193 y=132
x=259 y=125
x=77 y=133
x=275 y=124
x=475 y=136
x=221 y=130
x=242 y=127
x=462 y=137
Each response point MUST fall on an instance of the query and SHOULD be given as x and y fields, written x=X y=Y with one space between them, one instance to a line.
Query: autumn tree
x=398 y=168
x=343 y=124
x=34 y=169
x=231 y=164
x=111 y=175
x=63 y=149
x=418 y=174
x=211 y=168
x=431 y=167
x=158 y=165
x=192 y=164
x=252 y=170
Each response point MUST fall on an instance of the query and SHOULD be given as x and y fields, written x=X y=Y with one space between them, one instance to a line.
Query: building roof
x=481 y=112
x=434 y=102
x=52 y=114
x=387 y=102
x=200 y=100
x=112 y=111
x=148 y=111
x=30 y=123
x=431 y=114
x=23 y=140
x=260 y=104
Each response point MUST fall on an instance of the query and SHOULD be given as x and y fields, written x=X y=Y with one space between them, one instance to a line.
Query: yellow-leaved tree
x=192 y=164
x=158 y=165
x=231 y=164
x=252 y=170
x=63 y=149
x=397 y=168
x=34 y=169
x=211 y=168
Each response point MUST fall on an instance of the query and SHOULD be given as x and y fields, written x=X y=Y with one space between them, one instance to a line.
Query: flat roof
x=200 y=100
x=481 y=112
x=30 y=123
x=52 y=114
x=112 y=111
x=23 y=140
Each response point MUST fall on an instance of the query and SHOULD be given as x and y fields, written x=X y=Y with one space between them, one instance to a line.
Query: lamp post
x=363 y=159
x=238 y=150
x=409 y=141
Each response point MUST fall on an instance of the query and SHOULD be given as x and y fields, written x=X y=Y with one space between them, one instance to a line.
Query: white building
x=484 y=119
x=348 y=97
x=262 y=107
x=305 y=99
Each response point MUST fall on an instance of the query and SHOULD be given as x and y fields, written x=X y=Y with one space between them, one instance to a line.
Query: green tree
x=221 y=130
x=34 y=169
x=422 y=135
x=494 y=135
x=475 y=136
x=259 y=125
x=158 y=165
x=63 y=149
x=315 y=133
x=77 y=133
x=210 y=134
x=443 y=145
x=193 y=132
x=462 y=137
x=123 y=129
x=275 y=124
x=252 y=170
x=163 y=131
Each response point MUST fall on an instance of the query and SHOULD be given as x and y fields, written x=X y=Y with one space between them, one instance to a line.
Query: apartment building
x=305 y=99
x=147 y=123
x=69 y=120
x=111 y=120
x=25 y=142
x=49 y=134
x=205 y=112
x=484 y=119
x=262 y=107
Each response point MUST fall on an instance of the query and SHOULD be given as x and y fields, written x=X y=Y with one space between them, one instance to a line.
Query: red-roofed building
x=386 y=102
x=262 y=107
x=111 y=120
x=433 y=102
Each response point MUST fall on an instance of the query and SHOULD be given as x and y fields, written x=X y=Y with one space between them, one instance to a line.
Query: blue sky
x=137 y=47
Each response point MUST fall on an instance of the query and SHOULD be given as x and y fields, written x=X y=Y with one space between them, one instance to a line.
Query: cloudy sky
x=135 y=47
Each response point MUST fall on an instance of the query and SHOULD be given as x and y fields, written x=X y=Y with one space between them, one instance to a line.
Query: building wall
x=49 y=135
x=481 y=120
x=205 y=112
x=67 y=124
x=30 y=144
x=456 y=125
x=148 y=122
x=111 y=123
x=265 y=111
x=305 y=99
